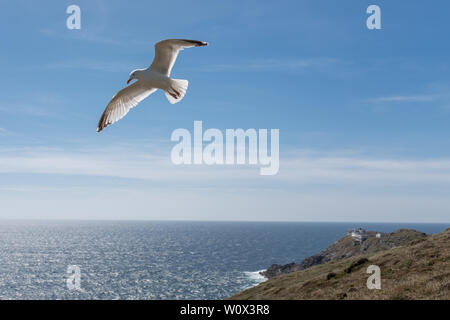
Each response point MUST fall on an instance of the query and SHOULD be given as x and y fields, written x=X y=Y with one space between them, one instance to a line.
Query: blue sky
x=363 y=115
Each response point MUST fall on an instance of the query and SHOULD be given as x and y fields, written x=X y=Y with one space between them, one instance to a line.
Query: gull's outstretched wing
x=166 y=53
x=122 y=102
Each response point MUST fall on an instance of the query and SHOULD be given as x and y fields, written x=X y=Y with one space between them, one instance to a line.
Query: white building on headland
x=358 y=234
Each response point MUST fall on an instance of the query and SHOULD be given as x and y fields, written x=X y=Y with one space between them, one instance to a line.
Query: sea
x=111 y=260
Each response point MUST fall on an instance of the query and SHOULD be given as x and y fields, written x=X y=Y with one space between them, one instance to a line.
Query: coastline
x=417 y=270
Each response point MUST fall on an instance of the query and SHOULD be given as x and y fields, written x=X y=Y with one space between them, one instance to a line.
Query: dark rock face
x=355 y=265
x=331 y=275
x=276 y=269
x=347 y=247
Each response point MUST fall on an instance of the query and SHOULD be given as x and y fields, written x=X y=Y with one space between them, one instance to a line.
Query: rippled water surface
x=155 y=260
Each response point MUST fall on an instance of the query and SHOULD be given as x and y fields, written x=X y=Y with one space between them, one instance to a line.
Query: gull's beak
x=129 y=80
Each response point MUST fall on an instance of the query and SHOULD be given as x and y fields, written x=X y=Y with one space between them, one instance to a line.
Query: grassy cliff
x=418 y=270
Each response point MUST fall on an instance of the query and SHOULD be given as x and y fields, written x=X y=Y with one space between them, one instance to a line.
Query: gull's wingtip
x=196 y=43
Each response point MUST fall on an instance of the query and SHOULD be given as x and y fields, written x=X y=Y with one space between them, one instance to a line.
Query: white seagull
x=155 y=77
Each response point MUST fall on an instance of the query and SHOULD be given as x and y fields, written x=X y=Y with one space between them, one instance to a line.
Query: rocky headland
x=413 y=266
x=349 y=246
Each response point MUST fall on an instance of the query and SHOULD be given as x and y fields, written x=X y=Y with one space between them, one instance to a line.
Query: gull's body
x=155 y=77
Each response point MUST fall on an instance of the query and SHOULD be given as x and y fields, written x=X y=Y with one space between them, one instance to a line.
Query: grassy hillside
x=419 y=270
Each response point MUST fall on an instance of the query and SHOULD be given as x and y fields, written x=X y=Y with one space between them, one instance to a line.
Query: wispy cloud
x=302 y=169
x=339 y=186
x=435 y=95
x=273 y=65
x=407 y=98
x=367 y=171
x=25 y=109
x=91 y=64
x=38 y=105
x=4 y=131
x=79 y=35
x=95 y=37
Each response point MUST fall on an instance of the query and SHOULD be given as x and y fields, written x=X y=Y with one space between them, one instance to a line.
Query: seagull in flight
x=155 y=77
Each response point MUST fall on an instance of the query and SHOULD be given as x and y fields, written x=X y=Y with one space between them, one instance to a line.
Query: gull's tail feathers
x=177 y=90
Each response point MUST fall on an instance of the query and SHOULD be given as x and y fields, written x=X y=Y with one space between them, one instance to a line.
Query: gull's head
x=134 y=75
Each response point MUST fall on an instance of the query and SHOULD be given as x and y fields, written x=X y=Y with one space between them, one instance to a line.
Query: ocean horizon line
x=217 y=221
